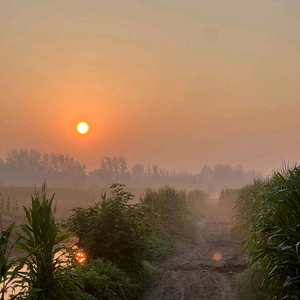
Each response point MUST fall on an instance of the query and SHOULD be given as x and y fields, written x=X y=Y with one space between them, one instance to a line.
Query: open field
x=67 y=198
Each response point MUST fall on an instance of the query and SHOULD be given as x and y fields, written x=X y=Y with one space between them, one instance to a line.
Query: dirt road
x=205 y=270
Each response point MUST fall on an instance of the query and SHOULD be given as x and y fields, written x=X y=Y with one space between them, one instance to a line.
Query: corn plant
x=5 y=265
x=42 y=234
x=248 y=203
x=170 y=205
x=275 y=236
x=197 y=198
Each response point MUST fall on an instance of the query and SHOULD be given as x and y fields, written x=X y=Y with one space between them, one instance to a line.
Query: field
x=117 y=229
x=67 y=198
x=186 y=240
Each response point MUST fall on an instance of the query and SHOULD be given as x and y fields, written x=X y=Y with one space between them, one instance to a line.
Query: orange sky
x=177 y=83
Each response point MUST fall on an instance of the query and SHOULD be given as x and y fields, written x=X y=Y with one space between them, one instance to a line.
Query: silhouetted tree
x=23 y=159
x=113 y=169
x=138 y=170
x=29 y=166
x=207 y=175
x=2 y=167
x=155 y=171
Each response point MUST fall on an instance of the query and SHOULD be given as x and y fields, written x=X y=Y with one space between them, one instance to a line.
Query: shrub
x=171 y=207
x=114 y=230
x=69 y=286
x=105 y=281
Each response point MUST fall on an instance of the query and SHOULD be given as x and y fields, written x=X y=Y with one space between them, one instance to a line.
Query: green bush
x=171 y=207
x=115 y=230
x=68 y=286
x=105 y=281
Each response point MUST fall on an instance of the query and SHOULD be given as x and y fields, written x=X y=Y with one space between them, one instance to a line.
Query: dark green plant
x=114 y=229
x=275 y=236
x=248 y=203
x=171 y=207
x=41 y=240
x=5 y=263
x=196 y=201
x=249 y=284
x=107 y=282
x=69 y=286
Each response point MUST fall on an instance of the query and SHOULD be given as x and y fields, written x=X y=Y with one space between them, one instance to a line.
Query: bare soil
x=205 y=269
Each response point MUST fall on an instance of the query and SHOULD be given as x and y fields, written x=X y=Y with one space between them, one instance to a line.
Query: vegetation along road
x=206 y=269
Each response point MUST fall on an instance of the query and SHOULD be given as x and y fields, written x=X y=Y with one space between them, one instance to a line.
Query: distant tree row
x=115 y=170
x=28 y=166
x=226 y=173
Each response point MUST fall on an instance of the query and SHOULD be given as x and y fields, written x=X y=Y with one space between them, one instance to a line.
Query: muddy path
x=205 y=269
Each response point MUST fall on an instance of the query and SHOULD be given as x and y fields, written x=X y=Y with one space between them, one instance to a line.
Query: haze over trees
x=115 y=169
x=27 y=167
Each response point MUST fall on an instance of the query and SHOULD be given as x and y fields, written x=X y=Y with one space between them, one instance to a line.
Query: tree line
x=115 y=170
x=28 y=167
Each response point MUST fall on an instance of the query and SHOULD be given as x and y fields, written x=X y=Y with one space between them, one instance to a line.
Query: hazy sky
x=177 y=83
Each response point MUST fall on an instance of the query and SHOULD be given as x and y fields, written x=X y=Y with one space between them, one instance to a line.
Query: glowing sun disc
x=82 y=127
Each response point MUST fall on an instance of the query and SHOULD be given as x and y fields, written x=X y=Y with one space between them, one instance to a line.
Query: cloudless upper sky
x=175 y=83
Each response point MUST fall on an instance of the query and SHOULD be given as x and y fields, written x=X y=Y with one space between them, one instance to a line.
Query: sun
x=82 y=127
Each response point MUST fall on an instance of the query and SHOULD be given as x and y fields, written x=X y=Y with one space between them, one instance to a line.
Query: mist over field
x=149 y=149
x=29 y=167
x=177 y=84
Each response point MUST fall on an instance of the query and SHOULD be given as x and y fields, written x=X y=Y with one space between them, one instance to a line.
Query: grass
x=249 y=286
x=67 y=198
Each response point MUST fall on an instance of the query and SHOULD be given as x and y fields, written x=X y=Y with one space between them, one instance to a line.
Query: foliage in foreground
x=5 y=262
x=40 y=241
x=274 y=234
x=105 y=281
x=116 y=236
x=114 y=230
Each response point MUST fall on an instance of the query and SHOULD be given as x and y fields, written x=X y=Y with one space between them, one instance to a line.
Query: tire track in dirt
x=205 y=270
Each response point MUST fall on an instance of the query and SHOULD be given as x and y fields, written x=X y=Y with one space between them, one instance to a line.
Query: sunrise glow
x=82 y=127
